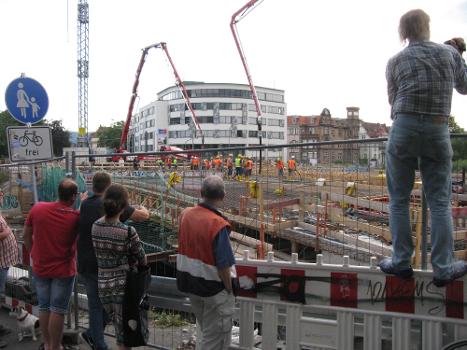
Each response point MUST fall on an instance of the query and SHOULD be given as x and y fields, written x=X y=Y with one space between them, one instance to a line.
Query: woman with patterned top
x=117 y=249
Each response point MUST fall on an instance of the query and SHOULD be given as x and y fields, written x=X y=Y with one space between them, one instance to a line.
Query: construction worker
x=174 y=163
x=238 y=167
x=160 y=164
x=292 y=166
x=248 y=167
x=229 y=165
x=280 y=167
x=194 y=163
x=168 y=162
x=217 y=163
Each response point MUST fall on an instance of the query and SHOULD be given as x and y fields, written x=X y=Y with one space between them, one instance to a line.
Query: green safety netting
x=49 y=180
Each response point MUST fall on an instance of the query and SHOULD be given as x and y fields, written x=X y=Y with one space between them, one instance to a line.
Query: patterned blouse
x=8 y=247
x=113 y=251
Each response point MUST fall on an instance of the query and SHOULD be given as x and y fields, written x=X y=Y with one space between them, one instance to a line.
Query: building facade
x=226 y=114
x=324 y=127
x=148 y=127
x=373 y=154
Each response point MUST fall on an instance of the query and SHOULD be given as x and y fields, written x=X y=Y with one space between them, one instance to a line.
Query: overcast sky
x=329 y=53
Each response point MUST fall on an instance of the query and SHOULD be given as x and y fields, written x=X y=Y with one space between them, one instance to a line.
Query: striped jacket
x=196 y=267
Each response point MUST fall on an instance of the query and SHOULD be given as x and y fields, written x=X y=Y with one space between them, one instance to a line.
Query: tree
x=109 y=136
x=6 y=120
x=60 y=136
x=459 y=144
x=454 y=128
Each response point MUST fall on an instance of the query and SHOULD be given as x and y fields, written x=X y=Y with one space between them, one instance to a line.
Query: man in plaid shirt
x=421 y=79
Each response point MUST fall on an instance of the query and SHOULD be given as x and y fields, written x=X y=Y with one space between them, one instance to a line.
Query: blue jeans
x=3 y=278
x=420 y=140
x=97 y=315
x=53 y=294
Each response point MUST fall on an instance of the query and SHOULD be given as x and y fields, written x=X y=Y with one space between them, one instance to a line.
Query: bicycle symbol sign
x=29 y=143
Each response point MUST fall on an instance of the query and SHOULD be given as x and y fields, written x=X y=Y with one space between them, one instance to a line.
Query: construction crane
x=83 y=72
x=178 y=82
x=237 y=17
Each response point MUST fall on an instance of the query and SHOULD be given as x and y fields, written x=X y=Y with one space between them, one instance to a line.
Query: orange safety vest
x=292 y=164
x=196 y=265
x=229 y=163
x=280 y=164
x=249 y=164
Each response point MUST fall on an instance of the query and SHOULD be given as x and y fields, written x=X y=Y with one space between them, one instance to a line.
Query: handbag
x=135 y=306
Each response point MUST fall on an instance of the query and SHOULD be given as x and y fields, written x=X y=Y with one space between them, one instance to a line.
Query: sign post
x=27 y=102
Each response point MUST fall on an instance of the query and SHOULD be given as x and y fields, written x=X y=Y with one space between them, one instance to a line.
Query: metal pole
x=34 y=183
x=73 y=165
x=424 y=233
x=67 y=162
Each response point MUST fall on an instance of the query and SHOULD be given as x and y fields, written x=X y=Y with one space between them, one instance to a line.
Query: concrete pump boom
x=236 y=17
x=134 y=93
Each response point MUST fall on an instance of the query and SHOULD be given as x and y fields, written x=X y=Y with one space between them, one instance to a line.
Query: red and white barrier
x=347 y=286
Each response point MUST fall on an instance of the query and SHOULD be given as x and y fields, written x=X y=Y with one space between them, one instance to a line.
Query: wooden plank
x=282 y=204
x=358 y=202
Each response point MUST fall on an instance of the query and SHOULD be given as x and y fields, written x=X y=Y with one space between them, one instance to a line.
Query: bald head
x=213 y=189
x=67 y=190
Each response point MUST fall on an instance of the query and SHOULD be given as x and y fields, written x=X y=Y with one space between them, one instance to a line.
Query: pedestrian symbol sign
x=26 y=100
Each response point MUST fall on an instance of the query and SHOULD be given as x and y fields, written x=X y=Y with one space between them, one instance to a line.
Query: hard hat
x=293 y=157
x=230 y=155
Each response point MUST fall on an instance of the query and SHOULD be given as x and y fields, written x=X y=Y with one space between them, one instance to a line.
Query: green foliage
x=6 y=120
x=60 y=136
x=109 y=136
x=164 y=320
x=454 y=128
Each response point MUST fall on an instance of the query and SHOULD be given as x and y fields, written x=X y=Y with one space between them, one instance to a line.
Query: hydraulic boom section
x=134 y=93
x=236 y=17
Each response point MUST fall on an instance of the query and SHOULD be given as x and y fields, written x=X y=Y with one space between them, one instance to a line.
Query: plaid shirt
x=422 y=76
x=8 y=247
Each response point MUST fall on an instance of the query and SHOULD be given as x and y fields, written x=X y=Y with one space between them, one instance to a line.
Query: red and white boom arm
x=236 y=17
x=134 y=93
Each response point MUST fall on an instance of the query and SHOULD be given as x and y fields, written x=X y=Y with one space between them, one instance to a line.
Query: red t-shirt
x=54 y=234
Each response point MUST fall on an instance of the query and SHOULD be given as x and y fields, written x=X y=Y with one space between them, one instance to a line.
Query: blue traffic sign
x=26 y=100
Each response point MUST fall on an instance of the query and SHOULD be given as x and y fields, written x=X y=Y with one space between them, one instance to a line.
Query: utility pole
x=83 y=72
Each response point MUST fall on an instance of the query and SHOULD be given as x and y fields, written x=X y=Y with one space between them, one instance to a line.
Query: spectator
x=205 y=265
x=8 y=257
x=50 y=233
x=91 y=210
x=117 y=248
x=421 y=79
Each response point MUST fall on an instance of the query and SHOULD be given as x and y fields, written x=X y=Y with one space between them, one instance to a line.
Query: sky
x=323 y=54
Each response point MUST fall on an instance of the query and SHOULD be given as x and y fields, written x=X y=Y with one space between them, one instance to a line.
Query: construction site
x=306 y=235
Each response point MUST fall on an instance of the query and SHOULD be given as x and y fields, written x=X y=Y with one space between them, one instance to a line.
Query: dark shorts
x=53 y=294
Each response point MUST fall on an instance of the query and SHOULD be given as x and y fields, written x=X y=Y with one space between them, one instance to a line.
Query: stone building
x=323 y=127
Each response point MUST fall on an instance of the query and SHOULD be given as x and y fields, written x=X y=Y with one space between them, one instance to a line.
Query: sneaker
x=86 y=340
x=4 y=330
x=388 y=267
x=459 y=269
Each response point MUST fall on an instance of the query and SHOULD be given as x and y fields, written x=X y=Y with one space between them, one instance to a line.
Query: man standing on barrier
x=421 y=79
x=91 y=210
x=50 y=233
x=206 y=266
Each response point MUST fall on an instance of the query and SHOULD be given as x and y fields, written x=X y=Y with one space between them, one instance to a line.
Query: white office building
x=226 y=114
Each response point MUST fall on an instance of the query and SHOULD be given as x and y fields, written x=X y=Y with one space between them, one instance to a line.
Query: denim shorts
x=53 y=294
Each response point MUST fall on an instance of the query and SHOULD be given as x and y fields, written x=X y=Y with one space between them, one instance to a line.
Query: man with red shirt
x=50 y=233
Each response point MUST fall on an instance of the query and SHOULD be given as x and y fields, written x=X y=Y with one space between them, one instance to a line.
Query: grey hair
x=213 y=188
x=414 y=26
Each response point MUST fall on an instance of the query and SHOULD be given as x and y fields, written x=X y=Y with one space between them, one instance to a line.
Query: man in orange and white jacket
x=206 y=266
